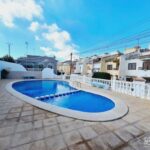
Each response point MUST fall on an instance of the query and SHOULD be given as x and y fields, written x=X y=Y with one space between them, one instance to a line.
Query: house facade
x=84 y=66
x=66 y=66
x=103 y=63
x=96 y=64
x=110 y=63
x=37 y=63
x=135 y=63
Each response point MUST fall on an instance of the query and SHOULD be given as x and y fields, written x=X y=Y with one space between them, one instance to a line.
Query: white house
x=82 y=66
x=96 y=63
x=135 y=63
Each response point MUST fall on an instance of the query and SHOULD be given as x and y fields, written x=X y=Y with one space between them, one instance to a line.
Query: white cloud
x=36 y=38
x=60 y=40
x=12 y=9
x=34 y=26
x=61 y=54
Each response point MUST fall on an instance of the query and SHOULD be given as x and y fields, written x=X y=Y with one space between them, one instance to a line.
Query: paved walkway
x=25 y=127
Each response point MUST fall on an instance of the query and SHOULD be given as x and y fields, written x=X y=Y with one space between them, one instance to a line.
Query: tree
x=8 y=58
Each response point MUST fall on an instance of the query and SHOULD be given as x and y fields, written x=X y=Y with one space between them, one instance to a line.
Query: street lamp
x=27 y=44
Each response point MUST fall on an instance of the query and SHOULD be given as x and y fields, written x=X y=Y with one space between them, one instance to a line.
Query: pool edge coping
x=120 y=109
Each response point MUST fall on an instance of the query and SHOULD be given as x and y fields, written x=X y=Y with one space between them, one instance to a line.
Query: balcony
x=144 y=69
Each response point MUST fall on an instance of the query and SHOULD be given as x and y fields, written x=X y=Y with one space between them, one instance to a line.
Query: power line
x=141 y=21
x=139 y=36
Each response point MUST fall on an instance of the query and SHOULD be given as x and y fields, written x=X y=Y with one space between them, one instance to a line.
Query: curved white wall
x=11 y=66
x=48 y=73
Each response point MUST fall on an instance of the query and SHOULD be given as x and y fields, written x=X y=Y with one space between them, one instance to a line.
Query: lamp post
x=9 y=46
x=70 y=63
x=27 y=44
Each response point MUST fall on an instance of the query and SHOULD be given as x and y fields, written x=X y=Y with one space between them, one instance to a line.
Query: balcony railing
x=144 y=69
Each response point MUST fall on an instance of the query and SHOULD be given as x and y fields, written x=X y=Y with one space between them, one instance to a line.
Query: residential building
x=96 y=63
x=135 y=63
x=84 y=66
x=37 y=63
x=110 y=63
x=64 y=67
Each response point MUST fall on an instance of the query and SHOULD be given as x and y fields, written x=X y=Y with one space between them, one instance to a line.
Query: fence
x=138 y=89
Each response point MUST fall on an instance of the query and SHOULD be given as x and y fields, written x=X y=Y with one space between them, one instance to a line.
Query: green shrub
x=102 y=75
x=60 y=73
x=4 y=74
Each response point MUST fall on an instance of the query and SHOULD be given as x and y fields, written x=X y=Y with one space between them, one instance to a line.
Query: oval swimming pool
x=79 y=101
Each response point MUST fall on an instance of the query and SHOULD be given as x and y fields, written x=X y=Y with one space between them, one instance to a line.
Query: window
x=132 y=66
x=109 y=67
x=146 y=65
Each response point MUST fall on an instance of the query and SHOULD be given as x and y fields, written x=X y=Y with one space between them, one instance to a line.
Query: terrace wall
x=11 y=66
x=22 y=74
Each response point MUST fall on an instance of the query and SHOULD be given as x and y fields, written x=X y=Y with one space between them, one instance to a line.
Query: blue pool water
x=81 y=101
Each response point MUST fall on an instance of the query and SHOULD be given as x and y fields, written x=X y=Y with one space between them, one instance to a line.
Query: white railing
x=138 y=89
x=130 y=88
x=88 y=80
x=147 y=91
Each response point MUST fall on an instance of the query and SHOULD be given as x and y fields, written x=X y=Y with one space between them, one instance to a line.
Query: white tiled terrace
x=25 y=127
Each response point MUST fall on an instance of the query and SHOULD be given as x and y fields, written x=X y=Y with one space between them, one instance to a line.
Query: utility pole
x=9 y=46
x=138 y=42
x=27 y=44
x=70 y=63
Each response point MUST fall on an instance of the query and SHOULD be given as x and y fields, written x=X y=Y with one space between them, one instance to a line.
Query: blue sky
x=58 y=27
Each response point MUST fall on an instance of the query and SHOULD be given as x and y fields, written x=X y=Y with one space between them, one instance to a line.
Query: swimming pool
x=62 y=98
x=81 y=101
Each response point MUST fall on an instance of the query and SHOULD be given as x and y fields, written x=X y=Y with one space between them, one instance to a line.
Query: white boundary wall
x=138 y=89
x=11 y=66
x=48 y=73
x=23 y=74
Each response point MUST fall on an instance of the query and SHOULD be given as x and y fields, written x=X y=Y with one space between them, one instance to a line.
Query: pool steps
x=56 y=95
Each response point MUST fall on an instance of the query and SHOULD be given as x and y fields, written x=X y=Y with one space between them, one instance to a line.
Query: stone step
x=56 y=95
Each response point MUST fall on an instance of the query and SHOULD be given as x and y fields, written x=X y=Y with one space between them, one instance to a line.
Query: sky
x=60 y=27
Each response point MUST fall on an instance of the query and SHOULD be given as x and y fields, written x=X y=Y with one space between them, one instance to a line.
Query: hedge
x=102 y=75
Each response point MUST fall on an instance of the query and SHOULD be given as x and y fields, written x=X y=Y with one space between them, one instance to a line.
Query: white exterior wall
x=11 y=66
x=123 y=70
x=97 y=66
x=22 y=74
x=78 y=68
x=81 y=66
x=48 y=73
